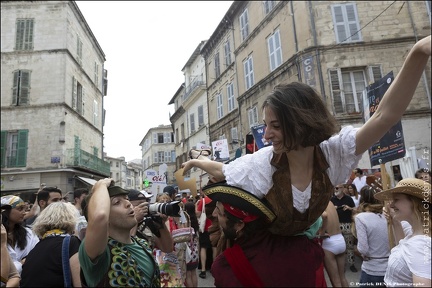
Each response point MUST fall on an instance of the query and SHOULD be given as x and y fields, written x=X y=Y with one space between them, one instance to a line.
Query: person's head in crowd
x=411 y=201
x=59 y=215
x=358 y=172
x=171 y=191
x=424 y=174
x=13 y=212
x=79 y=194
x=339 y=190
x=137 y=197
x=368 y=202
x=47 y=196
x=189 y=208
x=301 y=116
x=118 y=219
x=352 y=190
x=164 y=198
x=239 y=213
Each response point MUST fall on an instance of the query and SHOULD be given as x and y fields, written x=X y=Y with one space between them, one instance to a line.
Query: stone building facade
x=158 y=154
x=338 y=47
x=190 y=118
x=53 y=84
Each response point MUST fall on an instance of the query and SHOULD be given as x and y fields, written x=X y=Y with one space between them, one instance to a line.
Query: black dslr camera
x=153 y=221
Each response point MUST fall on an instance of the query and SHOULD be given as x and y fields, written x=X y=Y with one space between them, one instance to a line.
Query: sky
x=146 y=44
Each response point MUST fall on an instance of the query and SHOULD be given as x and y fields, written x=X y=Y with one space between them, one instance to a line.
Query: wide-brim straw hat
x=410 y=186
x=240 y=199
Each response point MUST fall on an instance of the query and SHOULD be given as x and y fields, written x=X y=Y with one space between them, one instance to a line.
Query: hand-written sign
x=391 y=146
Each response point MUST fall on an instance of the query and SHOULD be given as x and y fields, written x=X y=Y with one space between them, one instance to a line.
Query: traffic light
x=146 y=183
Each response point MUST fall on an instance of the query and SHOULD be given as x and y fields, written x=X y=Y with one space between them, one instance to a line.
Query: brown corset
x=289 y=221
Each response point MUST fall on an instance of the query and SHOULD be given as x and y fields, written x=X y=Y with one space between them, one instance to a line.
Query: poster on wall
x=220 y=150
x=391 y=146
x=258 y=134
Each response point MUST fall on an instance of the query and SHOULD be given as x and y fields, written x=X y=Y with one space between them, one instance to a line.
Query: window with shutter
x=95 y=112
x=275 y=51
x=268 y=6
x=375 y=73
x=21 y=87
x=217 y=65
x=22 y=148
x=219 y=106
x=346 y=23
x=167 y=156
x=192 y=122
x=244 y=24
x=227 y=50
x=234 y=135
x=347 y=87
x=74 y=93
x=79 y=107
x=335 y=88
x=79 y=50
x=253 y=116
x=3 y=148
x=200 y=115
x=248 y=72
x=24 y=34
x=96 y=74
x=230 y=96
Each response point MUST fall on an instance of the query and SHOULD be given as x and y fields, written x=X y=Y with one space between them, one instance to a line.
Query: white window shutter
x=335 y=76
x=374 y=73
x=74 y=93
x=339 y=23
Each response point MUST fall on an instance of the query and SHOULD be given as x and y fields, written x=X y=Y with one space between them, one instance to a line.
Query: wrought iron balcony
x=198 y=81
x=83 y=159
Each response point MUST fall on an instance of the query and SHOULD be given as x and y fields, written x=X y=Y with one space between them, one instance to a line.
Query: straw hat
x=410 y=186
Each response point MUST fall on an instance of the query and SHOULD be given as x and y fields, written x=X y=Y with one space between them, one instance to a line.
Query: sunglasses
x=337 y=188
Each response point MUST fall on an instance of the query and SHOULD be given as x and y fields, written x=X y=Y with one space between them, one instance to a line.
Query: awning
x=86 y=180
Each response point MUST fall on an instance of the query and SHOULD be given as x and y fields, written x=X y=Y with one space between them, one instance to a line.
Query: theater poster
x=220 y=150
x=391 y=146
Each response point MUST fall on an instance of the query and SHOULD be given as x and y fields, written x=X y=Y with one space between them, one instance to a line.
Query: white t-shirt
x=356 y=201
x=253 y=172
x=359 y=182
x=412 y=256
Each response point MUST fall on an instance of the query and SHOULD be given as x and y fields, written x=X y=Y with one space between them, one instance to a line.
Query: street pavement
x=352 y=278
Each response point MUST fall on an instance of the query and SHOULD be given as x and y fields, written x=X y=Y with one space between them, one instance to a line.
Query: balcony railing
x=192 y=86
x=80 y=158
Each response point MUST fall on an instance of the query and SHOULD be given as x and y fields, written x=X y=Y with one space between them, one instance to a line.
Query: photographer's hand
x=141 y=210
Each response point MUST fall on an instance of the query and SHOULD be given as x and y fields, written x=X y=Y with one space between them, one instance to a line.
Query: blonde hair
x=58 y=215
x=164 y=198
x=422 y=213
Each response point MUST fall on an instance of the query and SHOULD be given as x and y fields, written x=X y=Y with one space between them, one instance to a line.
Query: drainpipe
x=416 y=39
x=231 y=27
x=294 y=27
x=318 y=57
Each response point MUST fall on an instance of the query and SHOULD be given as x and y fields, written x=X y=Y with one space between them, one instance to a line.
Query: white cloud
x=146 y=44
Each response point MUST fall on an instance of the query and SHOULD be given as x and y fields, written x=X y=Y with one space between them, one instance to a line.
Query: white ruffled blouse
x=253 y=172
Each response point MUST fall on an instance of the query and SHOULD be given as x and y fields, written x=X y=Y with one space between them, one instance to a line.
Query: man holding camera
x=148 y=223
x=109 y=255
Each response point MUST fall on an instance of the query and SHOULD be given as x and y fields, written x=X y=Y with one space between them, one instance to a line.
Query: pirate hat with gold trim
x=240 y=199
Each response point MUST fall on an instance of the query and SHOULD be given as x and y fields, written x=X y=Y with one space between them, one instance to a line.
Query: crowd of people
x=277 y=217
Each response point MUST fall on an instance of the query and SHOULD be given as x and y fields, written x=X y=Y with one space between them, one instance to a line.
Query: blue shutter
x=22 y=148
